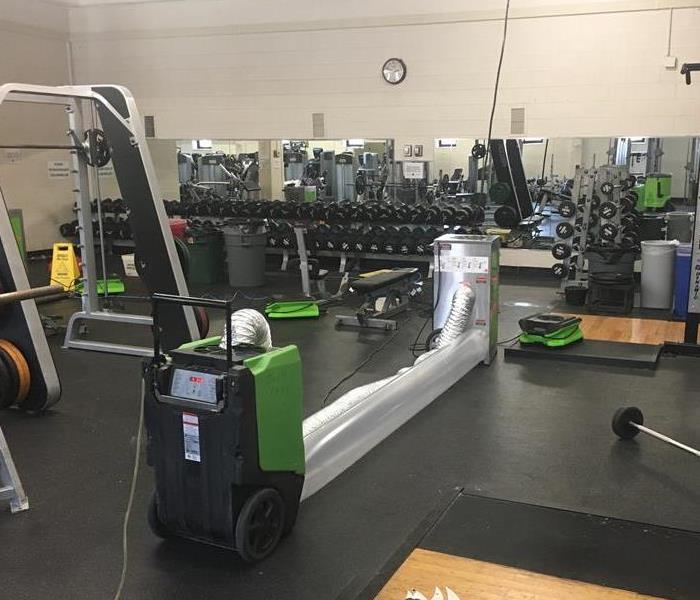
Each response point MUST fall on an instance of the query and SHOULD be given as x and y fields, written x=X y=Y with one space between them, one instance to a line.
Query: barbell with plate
x=628 y=422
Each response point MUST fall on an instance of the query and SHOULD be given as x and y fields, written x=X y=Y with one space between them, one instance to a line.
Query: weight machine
x=122 y=140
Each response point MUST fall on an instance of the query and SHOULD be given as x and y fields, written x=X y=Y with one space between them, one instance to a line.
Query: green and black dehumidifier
x=224 y=436
x=551 y=330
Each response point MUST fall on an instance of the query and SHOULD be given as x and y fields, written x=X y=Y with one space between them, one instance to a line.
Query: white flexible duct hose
x=248 y=328
x=340 y=434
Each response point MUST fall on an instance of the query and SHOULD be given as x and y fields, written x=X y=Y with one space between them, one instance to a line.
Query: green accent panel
x=278 y=400
x=17 y=223
x=654 y=193
x=114 y=286
x=557 y=339
x=292 y=310
x=210 y=341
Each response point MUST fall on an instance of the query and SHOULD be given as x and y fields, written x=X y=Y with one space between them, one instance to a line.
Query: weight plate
x=97 y=151
x=9 y=380
x=560 y=251
x=564 y=230
x=499 y=192
x=607 y=188
x=506 y=217
x=559 y=270
x=567 y=209
x=478 y=150
x=22 y=369
x=607 y=210
x=608 y=232
x=627 y=204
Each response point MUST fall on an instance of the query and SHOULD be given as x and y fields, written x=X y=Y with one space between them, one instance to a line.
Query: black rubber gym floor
x=536 y=432
x=646 y=559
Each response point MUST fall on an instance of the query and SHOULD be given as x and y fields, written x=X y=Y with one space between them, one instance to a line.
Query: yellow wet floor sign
x=64 y=266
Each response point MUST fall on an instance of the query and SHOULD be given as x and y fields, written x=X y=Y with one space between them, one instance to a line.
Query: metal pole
x=664 y=438
x=30 y=294
x=41 y=147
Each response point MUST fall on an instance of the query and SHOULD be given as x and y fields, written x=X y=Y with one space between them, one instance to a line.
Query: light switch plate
x=670 y=62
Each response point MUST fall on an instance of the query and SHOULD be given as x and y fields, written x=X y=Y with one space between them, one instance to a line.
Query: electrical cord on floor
x=369 y=357
x=132 y=493
x=508 y=341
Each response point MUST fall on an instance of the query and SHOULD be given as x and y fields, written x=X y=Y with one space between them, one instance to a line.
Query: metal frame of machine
x=124 y=132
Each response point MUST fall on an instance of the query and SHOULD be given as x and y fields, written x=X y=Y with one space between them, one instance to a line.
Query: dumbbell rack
x=594 y=216
x=574 y=228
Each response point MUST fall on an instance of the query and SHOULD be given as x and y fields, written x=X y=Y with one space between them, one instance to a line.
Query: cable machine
x=122 y=140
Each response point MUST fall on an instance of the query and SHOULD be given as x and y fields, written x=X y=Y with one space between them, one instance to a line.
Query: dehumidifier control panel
x=194 y=385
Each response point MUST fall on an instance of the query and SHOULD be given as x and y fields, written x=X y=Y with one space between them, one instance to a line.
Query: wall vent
x=517 y=121
x=149 y=124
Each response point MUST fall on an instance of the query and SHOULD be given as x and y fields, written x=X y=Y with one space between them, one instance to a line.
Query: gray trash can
x=658 y=261
x=245 y=254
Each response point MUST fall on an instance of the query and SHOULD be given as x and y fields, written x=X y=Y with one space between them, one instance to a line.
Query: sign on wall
x=413 y=170
x=59 y=169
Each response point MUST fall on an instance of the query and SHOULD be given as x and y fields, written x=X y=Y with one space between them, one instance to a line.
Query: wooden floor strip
x=469 y=579
x=636 y=331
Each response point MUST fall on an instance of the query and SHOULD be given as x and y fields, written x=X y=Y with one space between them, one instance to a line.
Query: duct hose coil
x=248 y=328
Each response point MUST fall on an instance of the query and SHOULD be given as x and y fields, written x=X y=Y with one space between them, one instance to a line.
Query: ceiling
x=98 y=2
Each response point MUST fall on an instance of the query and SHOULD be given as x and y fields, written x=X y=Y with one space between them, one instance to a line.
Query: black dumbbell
x=564 y=230
x=607 y=210
x=560 y=251
x=567 y=209
x=608 y=232
x=506 y=217
x=560 y=270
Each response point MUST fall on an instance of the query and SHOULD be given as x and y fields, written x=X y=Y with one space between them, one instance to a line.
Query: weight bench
x=386 y=293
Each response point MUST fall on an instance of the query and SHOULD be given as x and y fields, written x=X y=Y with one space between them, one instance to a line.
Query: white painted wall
x=259 y=69
x=33 y=50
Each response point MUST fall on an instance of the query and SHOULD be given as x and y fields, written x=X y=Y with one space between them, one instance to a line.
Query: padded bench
x=386 y=293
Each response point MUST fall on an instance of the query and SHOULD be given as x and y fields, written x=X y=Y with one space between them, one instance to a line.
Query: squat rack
x=124 y=136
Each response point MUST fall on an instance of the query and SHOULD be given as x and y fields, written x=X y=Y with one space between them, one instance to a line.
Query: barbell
x=628 y=421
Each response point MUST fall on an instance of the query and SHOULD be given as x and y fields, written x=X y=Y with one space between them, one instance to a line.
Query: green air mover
x=550 y=330
x=225 y=439
x=654 y=193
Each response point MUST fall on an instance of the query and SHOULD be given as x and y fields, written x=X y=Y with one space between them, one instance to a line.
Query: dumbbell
x=346 y=239
x=564 y=230
x=560 y=251
x=628 y=421
x=418 y=214
x=609 y=232
x=567 y=209
x=433 y=216
x=478 y=214
x=407 y=241
x=69 y=230
x=560 y=270
x=403 y=214
x=607 y=210
x=391 y=241
x=447 y=215
x=286 y=236
x=506 y=217
x=464 y=215
x=499 y=192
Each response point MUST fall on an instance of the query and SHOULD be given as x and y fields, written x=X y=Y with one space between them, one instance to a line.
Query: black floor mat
x=610 y=552
x=595 y=352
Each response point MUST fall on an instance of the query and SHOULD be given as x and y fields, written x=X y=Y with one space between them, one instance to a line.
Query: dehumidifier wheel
x=260 y=525
x=154 y=521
